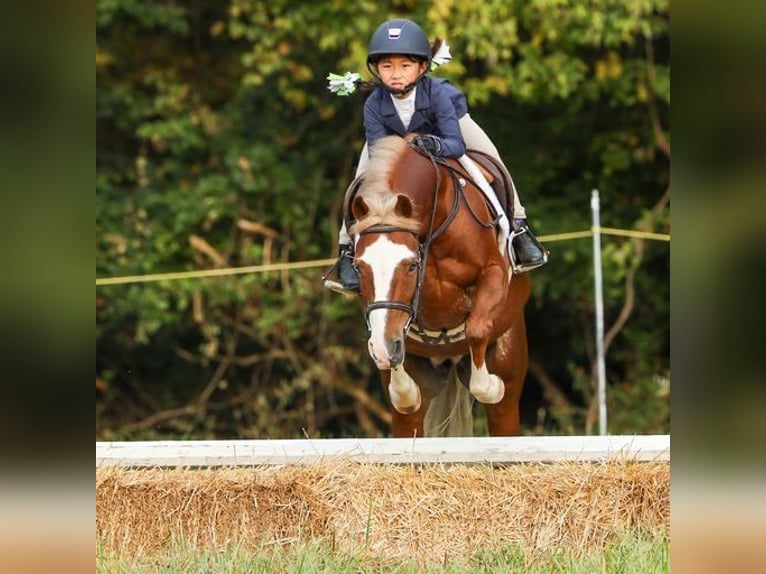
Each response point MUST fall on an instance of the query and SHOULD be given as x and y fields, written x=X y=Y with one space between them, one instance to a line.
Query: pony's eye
x=413 y=267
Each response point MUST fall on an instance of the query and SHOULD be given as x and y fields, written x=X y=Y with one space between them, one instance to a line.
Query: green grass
x=633 y=554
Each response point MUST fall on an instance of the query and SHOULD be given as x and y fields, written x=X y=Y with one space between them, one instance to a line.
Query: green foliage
x=219 y=145
x=634 y=553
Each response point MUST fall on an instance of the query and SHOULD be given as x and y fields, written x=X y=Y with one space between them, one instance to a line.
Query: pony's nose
x=397 y=352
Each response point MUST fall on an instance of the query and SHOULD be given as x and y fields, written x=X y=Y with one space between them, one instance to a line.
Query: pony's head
x=388 y=255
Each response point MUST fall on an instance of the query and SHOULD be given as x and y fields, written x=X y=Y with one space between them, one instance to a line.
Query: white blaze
x=382 y=256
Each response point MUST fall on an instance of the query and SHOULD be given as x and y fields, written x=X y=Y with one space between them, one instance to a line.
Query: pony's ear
x=359 y=208
x=403 y=206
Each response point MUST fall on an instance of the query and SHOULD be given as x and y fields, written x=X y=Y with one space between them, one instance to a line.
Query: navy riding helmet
x=402 y=37
x=399 y=36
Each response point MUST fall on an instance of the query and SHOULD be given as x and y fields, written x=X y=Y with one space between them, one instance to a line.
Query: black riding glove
x=428 y=143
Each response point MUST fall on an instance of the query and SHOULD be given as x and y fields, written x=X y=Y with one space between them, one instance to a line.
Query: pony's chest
x=445 y=303
x=450 y=278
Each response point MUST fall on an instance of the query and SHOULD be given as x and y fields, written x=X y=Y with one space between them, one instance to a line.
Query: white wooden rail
x=496 y=450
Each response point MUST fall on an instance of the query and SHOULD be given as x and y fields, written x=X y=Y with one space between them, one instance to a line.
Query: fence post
x=599 y=295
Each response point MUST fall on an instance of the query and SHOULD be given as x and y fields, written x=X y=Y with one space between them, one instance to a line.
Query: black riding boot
x=527 y=250
x=347 y=275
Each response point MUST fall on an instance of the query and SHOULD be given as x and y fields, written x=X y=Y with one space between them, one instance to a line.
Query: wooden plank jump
x=492 y=450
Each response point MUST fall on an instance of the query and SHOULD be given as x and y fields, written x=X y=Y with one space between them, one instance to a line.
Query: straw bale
x=434 y=512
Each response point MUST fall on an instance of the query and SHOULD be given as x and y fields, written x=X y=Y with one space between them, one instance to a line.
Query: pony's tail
x=451 y=411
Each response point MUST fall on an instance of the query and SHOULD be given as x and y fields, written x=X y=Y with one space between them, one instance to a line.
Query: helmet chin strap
x=401 y=91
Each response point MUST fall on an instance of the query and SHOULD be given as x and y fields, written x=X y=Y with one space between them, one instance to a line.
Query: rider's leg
x=364 y=159
x=527 y=250
x=347 y=275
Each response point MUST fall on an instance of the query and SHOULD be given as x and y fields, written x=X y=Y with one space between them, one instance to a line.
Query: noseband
x=411 y=308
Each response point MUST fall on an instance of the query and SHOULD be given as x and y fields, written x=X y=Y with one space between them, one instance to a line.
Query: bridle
x=413 y=308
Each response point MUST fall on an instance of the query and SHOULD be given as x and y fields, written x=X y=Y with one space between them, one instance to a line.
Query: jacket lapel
x=422 y=103
x=393 y=121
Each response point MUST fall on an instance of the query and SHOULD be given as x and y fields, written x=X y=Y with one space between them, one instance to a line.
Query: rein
x=456 y=174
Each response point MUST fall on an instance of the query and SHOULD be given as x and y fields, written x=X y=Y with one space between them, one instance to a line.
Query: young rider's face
x=397 y=71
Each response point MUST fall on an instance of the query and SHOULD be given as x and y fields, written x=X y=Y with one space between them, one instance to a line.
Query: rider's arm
x=446 y=118
x=374 y=124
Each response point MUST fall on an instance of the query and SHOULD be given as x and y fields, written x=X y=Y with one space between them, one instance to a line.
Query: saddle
x=498 y=177
x=494 y=171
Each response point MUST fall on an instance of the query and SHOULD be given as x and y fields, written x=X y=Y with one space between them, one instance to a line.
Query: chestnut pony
x=444 y=312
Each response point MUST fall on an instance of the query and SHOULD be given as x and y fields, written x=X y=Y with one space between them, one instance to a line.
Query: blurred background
x=219 y=146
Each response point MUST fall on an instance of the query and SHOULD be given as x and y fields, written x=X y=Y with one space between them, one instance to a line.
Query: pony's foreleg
x=403 y=424
x=407 y=426
x=503 y=418
x=509 y=359
x=485 y=386
x=403 y=391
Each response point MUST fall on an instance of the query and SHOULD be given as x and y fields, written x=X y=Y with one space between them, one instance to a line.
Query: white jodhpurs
x=476 y=138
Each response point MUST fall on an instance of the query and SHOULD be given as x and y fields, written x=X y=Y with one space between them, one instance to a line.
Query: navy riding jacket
x=438 y=106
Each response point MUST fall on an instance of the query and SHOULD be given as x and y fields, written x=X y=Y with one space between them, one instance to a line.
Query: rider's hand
x=428 y=143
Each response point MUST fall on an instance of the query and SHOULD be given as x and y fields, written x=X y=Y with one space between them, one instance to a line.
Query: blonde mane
x=376 y=191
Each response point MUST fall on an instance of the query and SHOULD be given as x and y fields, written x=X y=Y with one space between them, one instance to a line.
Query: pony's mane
x=376 y=191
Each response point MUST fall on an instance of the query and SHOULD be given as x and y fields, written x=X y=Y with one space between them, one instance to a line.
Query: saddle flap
x=499 y=178
x=485 y=172
x=351 y=192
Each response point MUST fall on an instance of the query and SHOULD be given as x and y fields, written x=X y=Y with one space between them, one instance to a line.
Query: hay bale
x=433 y=512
